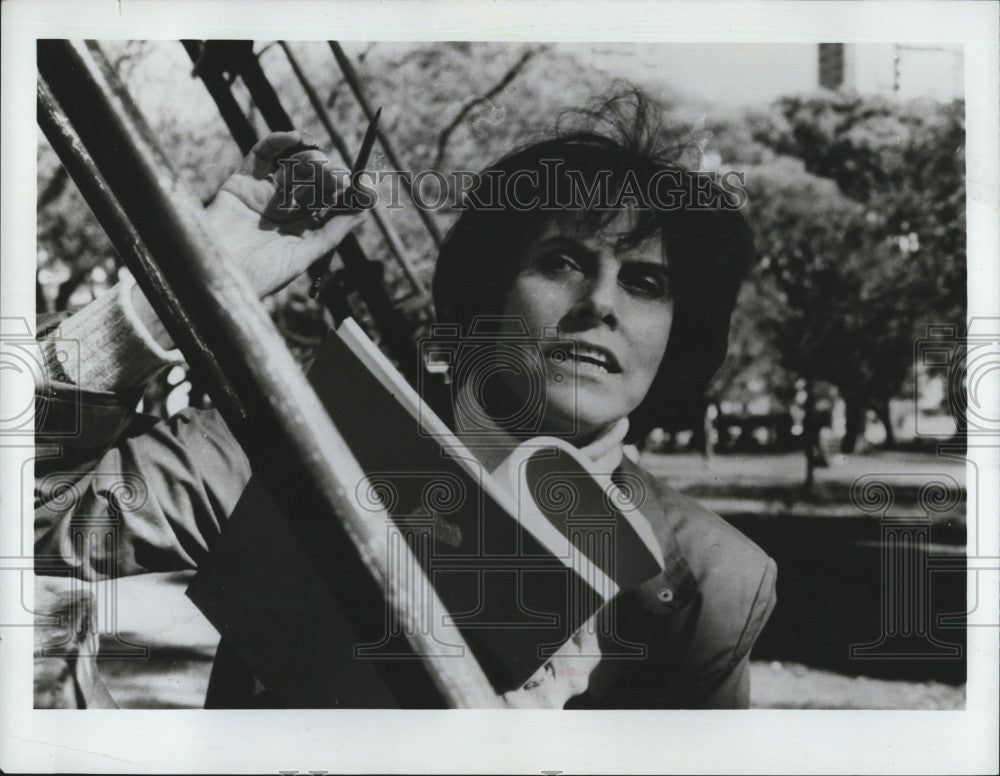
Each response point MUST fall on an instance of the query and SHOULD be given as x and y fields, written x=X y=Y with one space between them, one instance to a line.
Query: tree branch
x=55 y=187
x=473 y=103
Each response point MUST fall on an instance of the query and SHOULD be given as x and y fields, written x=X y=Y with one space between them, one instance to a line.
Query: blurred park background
x=853 y=161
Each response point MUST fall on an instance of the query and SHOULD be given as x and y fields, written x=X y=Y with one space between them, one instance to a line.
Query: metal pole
x=351 y=75
x=77 y=162
x=366 y=276
x=391 y=237
x=238 y=55
x=292 y=443
x=239 y=126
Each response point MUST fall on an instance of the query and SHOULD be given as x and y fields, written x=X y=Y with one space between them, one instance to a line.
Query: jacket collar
x=491 y=446
x=676 y=577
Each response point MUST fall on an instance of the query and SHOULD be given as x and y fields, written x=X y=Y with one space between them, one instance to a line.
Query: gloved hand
x=269 y=222
x=268 y=216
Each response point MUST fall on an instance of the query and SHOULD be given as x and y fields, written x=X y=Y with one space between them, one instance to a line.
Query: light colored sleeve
x=115 y=350
x=118 y=492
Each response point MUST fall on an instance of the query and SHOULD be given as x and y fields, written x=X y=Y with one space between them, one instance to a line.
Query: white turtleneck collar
x=491 y=444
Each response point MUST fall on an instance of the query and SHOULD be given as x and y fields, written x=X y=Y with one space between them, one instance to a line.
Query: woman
x=595 y=235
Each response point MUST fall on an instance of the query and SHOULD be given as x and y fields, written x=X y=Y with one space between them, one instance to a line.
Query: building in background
x=936 y=71
x=757 y=73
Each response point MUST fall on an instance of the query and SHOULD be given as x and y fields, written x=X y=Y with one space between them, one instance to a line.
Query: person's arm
x=698 y=655
x=164 y=487
x=122 y=342
x=732 y=690
x=153 y=501
x=129 y=493
x=113 y=344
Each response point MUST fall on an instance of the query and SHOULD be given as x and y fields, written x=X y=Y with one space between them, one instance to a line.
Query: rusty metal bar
x=388 y=231
x=263 y=94
x=367 y=276
x=239 y=127
x=212 y=58
x=238 y=58
x=351 y=76
x=292 y=443
x=130 y=247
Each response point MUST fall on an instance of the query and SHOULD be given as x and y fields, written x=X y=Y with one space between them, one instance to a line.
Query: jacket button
x=666 y=595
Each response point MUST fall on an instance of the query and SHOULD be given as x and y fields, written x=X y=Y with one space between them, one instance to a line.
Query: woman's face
x=615 y=305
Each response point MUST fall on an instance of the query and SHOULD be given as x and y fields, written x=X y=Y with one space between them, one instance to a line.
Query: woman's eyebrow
x=650 y=265
x=562 y=241
x=584 y=251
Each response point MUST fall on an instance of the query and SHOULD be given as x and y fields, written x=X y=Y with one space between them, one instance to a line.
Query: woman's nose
x=599 y=300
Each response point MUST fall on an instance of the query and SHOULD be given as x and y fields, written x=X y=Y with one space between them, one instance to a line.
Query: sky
x=749 y=74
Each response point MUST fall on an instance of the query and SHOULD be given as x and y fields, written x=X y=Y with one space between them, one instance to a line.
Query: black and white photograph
x=380 y=361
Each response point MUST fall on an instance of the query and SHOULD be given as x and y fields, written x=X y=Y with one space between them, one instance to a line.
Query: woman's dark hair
x=704 y=236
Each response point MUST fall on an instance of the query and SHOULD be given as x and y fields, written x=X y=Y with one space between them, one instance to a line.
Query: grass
x=769 y=483
x=783 y=685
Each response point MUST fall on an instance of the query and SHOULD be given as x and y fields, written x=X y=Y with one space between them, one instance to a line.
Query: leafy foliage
x=862 y=242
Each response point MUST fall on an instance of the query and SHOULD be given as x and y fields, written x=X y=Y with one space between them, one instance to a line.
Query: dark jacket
x=164 y=488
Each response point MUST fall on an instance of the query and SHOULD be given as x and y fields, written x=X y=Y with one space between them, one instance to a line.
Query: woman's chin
x=580 y=425
x=582 y=412
x=575 y=411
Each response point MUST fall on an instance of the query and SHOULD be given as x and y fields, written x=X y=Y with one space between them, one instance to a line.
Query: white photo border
x=495 y=741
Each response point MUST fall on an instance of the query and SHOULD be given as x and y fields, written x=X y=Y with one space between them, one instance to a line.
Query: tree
x=807 y=295
x=903 y=164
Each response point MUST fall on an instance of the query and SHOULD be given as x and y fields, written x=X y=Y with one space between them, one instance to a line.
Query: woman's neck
x=493 y=420
x=509 y=413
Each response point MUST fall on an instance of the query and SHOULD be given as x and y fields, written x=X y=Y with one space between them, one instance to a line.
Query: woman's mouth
x=588 y=358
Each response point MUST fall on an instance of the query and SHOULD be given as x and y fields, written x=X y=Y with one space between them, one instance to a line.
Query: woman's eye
x=559 y=262
x=651 y=285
